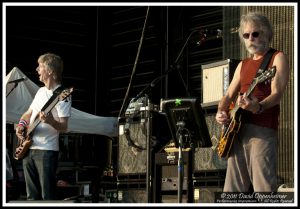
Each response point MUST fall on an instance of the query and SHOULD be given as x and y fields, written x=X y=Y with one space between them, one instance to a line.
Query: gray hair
x=53 y=63
x=261 y=21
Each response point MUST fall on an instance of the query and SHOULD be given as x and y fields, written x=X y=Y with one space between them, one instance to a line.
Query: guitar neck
x=37 y=121
x=251 y=88
x=248 y=93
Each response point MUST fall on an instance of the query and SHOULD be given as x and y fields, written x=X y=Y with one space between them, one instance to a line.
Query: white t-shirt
x=45 y=137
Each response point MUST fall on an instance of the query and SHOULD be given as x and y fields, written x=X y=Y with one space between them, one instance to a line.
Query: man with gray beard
x=253 y=156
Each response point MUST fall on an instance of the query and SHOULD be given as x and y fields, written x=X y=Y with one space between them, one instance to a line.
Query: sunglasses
x=247 y=35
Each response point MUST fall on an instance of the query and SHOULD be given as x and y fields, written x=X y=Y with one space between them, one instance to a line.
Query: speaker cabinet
x=132 y=149
x=207 y=158
x=216 y=78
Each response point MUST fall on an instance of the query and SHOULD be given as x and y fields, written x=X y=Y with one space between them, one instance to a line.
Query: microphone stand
x=15 y=86
x=177 y=59
x=149 y=180
x=180 y=163
x=148 y=116
x=181 y=127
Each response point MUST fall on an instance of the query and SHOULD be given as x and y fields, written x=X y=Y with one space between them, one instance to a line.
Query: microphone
x=18 y=80
x=219 y=33
x=203 y=37
x=207 y=34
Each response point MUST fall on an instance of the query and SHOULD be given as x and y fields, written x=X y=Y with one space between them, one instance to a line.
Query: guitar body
x=228 y=136
x=230 y=130
x=23 y=148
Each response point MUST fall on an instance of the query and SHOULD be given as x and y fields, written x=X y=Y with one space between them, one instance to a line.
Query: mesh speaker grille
x=207 y=158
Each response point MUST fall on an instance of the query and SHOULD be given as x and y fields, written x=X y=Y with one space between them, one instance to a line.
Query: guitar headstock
x=65 y=93
x=266 y=75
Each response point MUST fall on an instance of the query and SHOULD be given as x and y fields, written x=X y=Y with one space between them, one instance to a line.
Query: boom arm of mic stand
x=183 y=47
x=15 y=86
x=153 y=82
x=151 y=85
x=178 y=57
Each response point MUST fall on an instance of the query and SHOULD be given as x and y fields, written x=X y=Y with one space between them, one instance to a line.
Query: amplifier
x=207 y=158
x=132 y=149
x=171 y=183
x=216 y=78
x=132 y=157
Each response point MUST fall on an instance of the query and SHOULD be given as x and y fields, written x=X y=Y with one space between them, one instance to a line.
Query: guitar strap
x=55 y=94
x=265 y=62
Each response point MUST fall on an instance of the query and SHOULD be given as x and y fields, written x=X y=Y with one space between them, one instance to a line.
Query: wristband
x=23 y=122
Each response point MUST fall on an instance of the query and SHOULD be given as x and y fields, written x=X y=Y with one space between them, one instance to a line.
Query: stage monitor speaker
x=216 y=78
x=207 y=158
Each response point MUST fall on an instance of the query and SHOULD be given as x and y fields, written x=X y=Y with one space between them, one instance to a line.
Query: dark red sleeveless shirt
x=269 y=117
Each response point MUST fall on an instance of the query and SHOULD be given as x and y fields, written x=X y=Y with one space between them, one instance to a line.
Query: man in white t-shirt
x=40 y=163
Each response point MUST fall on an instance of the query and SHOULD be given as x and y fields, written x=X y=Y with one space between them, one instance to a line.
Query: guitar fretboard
x=37 y=121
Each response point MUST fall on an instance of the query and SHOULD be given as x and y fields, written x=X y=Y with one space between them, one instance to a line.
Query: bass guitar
x=24 y=144
x=230 y=130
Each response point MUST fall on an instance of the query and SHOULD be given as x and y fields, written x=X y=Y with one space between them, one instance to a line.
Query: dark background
x=99 y=46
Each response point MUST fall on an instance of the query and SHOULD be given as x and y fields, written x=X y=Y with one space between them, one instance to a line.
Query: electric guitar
x=24 y=144
x=230 y=130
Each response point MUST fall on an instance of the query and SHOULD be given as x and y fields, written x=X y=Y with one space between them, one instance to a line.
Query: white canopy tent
x=18 y=101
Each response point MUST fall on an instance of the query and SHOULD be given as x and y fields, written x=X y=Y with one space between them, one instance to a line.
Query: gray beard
x=253 y=49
